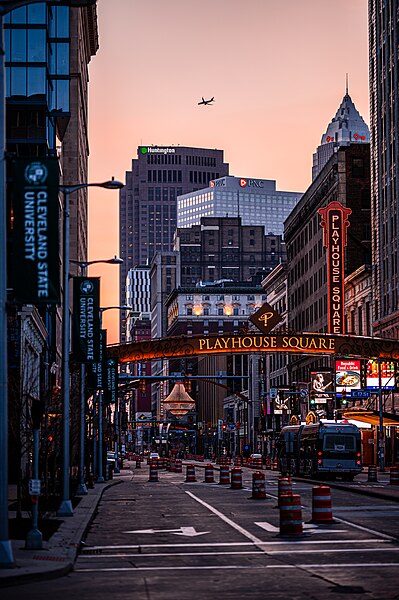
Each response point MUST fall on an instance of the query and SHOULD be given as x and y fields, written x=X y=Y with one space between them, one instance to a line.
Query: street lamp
x=65 y=509
x=6 y=554
x=100 y=478
x=82 y=490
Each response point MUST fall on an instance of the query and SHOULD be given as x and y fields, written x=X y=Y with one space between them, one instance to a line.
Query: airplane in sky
x=207 y=102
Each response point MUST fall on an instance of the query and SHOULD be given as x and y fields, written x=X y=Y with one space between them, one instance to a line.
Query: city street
x=172 y=539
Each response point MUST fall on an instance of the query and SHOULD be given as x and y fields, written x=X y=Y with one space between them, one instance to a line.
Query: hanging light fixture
x=179 y=403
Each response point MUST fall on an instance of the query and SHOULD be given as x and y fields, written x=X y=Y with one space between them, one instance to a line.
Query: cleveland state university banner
x=96 y=379
x=111 y=391
x=86 y=319
x=36 y=263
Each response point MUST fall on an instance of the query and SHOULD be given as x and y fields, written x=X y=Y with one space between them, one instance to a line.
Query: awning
x=371 y=418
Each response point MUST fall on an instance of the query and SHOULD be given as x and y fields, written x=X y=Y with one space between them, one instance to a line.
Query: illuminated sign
x=335 y=222
x=347 y=375
x=387 y=375
x=321 y=382
x=251 y=183
x=309 y=343
x=329 y=139
x=265 y=318
x=156 y=150
x=359 y=137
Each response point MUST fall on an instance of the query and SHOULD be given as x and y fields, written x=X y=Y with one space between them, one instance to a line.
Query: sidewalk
x=59 y=553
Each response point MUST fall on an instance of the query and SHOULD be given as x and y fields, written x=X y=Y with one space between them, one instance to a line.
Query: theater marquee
x=338 y=345
x=335 y=223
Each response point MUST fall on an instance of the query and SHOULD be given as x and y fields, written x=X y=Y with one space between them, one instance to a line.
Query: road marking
x=311 y=528
x=301 y=542
x=241 y=553
x=186 y=531
x=367 y=529
x=244 y=567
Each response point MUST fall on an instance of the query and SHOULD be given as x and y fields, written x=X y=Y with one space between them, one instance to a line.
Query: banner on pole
x=86 y=319
x=111 y=391
x=96 y=379
x=36 y=263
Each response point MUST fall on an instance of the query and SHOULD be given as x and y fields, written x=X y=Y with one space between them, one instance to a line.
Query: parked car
x=112 y=460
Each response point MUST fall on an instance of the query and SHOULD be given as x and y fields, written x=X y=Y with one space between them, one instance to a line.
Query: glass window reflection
x=36 y=81
x=18 y=81
x=37 y=13
x=36 y=45
x=18 y=45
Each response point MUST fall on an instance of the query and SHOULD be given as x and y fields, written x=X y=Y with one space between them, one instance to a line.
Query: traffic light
x=209 y=427
x=312 y=397
x=344 y=401
x=224 y=426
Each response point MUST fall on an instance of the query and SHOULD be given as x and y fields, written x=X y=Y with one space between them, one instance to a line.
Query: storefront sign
x=86 y=319
x=36 y=268
x=373 y=380
x=347 y=375
x=335 y=223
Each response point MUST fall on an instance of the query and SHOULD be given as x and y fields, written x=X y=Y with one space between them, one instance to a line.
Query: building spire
x=347 y=84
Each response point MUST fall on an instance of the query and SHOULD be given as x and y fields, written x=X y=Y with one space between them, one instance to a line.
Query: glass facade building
x=256 y=201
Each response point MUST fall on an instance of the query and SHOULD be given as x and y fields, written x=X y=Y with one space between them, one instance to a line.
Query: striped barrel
x=372 y=473
x=275 y=465
x=224 y=475
x=173 y=465
x=284 y=488
x=291 y=515
x=268 y=464
x=238 y=461
x=138 y=464
x=236 y=478
x=190 y=474
x=258 y=465
x=209 y=474
x=178 y=466
x=258 y=485
x=153 y=472
x=321 y=504
x=394 y=476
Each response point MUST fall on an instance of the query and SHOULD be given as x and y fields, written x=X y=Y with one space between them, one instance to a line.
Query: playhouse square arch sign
x=300 y=343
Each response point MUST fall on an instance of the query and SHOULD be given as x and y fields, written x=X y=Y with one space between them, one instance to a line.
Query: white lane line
x=223 y=517
x=271 y=552
x=307 y=542
x=367 y=529
x=244 y=567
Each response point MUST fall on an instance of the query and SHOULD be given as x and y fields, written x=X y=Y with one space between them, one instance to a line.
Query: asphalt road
x=194 y=541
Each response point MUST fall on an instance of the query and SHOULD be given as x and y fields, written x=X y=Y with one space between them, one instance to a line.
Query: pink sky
x=277 y=71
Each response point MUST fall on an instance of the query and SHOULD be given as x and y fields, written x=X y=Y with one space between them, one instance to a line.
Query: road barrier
x=394 y=476
x=190 y=474
x=284 y=488
x=209 y=474
x=224 y=475
x=291 y=515
x=268 y=464
x=258 y=485
x=238 y=461
x=321 y=504
x=236 y=478
x=275 y=465
x=178 y=465
x=138 y=464
x=372 y=473
x=153 y=472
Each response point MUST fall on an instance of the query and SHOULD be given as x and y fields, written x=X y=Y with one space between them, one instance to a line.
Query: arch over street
x=299 y=343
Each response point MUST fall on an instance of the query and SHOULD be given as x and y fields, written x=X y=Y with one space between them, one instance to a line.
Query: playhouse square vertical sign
x=335 y=223
x=36 y=266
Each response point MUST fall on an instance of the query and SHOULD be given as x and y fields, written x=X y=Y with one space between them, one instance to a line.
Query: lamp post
x=82 y=490
x=100 y=478
x=6 y=554
x=65 y=509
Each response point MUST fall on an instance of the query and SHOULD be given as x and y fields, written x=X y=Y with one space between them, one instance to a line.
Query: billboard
x=347 y=375
x=321 y=382
x=387 y=375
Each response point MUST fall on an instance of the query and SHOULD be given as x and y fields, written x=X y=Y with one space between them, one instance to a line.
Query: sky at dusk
x=277 y=70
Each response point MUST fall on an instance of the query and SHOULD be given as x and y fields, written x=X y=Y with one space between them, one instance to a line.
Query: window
x=189 y=311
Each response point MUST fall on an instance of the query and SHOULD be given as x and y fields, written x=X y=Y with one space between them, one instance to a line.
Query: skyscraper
x=148 y=201
x=384 y=128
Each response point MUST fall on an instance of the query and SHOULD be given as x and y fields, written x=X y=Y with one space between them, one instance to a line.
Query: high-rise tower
x=148 y=202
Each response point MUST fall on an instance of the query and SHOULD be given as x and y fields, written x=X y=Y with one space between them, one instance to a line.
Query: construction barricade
x=258 y=485
x=394 y=476
x=291 y=515
x=209 y=474
x=275 y=465
x=178 y=465
x=190 y=474
x=322 y=505
x=284 y=488
x=236 y=478
x=138 y=464
x=224 y=478
x=372 y=473
x=153 y=472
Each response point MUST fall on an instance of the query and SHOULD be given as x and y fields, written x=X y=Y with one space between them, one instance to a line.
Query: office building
x=148 y=202
x=256 y=201
x=384 y=128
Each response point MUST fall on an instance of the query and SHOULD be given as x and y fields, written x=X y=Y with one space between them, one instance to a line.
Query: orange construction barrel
x=224 y=475
x=236 y=478
x=321 y=504
x=394 y=475
x=209 y=474
x=291 y=515
x=258 y=485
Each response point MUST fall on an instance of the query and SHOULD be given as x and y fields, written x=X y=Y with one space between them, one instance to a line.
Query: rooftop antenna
x=347 y=84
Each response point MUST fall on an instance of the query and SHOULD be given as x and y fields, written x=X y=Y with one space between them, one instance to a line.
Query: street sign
x=273 y=393
x=34 y=487
x=360 y=394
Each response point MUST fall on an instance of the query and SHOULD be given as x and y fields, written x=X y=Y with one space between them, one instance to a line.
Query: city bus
x=321 y=450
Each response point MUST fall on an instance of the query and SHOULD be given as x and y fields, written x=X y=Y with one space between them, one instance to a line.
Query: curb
x=68 y=549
